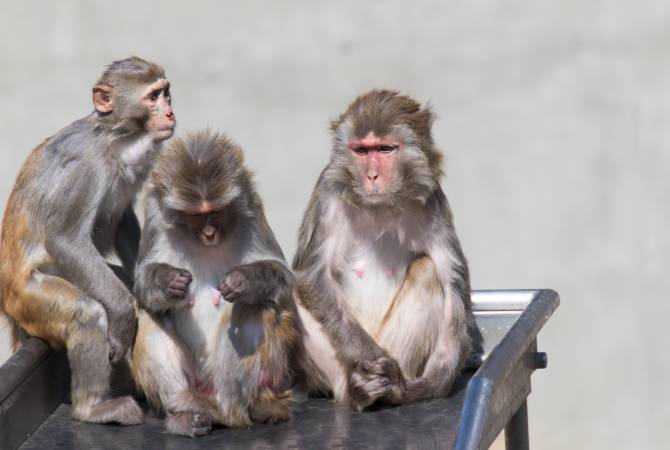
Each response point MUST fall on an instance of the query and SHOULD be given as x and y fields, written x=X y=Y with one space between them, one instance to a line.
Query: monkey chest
x=371 y=279
x=198 y=322
x=212 y=328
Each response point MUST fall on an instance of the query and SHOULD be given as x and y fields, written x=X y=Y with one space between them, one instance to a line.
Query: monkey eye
x=154 y=95
x=387 y=148
x=360 y=151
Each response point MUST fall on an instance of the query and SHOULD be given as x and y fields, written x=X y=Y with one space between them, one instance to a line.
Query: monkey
x=70 y=209
x=217 y=325
x=383 y=287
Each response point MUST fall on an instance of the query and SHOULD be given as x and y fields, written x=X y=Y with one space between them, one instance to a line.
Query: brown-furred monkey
x=70 y=207
x=383 y=286
x=217 y=327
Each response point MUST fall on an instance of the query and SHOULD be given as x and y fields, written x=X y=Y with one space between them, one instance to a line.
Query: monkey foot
x=189 y=424
x=123 y=410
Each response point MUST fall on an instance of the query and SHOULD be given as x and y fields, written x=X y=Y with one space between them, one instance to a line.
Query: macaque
x=383 y=286
x=218 y=324
x=70 y=208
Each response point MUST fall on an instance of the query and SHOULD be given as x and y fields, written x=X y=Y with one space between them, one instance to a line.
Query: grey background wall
x=553 y=117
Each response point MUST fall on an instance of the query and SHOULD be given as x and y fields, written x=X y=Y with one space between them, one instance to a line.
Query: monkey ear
x=102 y=98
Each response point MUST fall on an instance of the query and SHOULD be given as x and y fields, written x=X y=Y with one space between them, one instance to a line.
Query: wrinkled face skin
x=206 y=224
x=156 y=98
x=376 y=160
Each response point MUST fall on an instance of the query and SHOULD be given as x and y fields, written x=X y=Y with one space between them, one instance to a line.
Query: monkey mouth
x=165 y=132
x=209 y=237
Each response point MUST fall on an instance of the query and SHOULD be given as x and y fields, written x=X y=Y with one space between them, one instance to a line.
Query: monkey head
x=200 y=182
x=383 y=151
x=133 y=96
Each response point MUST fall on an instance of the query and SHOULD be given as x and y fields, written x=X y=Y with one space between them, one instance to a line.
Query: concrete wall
x=553 y=115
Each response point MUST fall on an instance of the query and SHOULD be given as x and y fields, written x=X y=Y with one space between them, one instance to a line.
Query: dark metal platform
x=316 y=424
x=33 y=414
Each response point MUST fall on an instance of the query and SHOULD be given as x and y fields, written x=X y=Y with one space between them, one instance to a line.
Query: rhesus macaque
x=72 y=206
x=218 y=322
x=383 y=286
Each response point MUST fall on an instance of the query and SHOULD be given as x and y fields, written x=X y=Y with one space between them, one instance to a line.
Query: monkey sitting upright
x=70 y=208
x=384 y=291
x=218 y=324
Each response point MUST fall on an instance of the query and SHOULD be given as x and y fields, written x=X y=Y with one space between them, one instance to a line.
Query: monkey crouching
x=218 y=324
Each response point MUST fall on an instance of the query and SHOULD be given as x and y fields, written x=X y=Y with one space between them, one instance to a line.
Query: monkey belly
x=223 y=339
x=400 y=307
x=370 y=287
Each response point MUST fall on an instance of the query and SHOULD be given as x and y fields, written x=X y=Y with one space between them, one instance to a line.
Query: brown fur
x=380 y=110
x=248 y=348
x=429 y=340
x=63 y=217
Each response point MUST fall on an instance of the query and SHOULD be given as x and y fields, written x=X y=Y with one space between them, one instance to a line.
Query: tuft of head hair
x=201 y=167
x=132 y=69
x=380 y=110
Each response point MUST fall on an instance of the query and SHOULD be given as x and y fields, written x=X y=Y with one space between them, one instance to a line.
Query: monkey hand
x=173 y=281
x=375 y=379
x=235 y=286
x=122 y=324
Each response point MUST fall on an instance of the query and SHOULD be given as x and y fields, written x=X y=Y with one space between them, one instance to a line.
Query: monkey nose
x=372 y=177
x=170 y=115
x=209 y=231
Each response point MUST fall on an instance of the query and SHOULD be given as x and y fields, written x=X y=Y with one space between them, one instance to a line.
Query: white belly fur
x=371 y=282
x=200 y=324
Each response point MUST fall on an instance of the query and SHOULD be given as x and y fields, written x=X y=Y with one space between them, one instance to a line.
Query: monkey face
x=157 y=101
x=206 y=225
x=375 y=162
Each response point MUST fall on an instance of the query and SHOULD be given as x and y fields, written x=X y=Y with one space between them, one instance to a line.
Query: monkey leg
x=273 y=396
x=163 y=370
x=53 y=309
x=322 y=372
x=249 y=366
x=412 y=329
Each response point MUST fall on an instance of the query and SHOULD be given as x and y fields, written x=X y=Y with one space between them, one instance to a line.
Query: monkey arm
x=263 y=275
x=320 y=293
x=80 y=262
x=453 y=340
x=258 y=282
x=127 y=240
x=160 y=287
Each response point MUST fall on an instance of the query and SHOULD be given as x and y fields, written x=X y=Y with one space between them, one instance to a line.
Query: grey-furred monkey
x=383 y=286
x=218 y=322
x=71 y=207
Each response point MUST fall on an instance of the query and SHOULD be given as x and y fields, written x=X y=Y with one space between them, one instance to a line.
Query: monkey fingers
x=235 y=286
x=365 y=388
x=387 y=369
x=175 y=281
x=384 y=365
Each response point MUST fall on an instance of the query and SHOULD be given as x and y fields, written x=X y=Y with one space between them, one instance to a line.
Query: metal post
x=516 y=430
